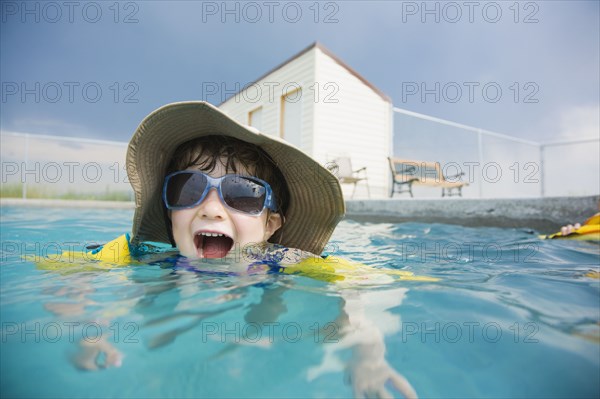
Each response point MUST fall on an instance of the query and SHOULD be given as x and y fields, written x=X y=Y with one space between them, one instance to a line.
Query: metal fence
x=497 y=165
x=494 y=165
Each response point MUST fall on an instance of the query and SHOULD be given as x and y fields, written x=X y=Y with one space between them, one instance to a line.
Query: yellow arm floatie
x=113 y=254
x=334 y=269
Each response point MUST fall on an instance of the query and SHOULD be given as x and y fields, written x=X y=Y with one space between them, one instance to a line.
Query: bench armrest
x=454 y=176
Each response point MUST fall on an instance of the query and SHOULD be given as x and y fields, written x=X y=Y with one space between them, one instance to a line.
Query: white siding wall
x=299 y=72
x=358 y=125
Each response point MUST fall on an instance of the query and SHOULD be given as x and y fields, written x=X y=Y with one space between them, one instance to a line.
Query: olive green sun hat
x=316 y=202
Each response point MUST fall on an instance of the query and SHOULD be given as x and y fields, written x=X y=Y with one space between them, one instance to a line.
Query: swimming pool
x=511 y=316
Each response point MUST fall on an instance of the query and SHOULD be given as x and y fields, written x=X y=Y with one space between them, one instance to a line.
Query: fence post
x=542 y=177
x=480 y=154
x=24 y=181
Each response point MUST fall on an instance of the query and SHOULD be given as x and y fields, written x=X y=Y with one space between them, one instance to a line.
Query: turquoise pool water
x=511 y=316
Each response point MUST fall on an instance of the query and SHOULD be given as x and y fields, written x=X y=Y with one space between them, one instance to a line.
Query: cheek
x=179 y=219
x=250 y=226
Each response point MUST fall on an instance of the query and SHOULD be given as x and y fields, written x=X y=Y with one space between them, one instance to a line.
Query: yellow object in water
x=334 y=269
x=593 y=274
x=117 y=253
x=589 y=231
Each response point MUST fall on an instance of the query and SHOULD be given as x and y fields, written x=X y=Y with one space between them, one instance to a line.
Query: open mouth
x=212 y=245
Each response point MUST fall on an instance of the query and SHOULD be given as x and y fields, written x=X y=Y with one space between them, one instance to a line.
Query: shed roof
x=330 y=54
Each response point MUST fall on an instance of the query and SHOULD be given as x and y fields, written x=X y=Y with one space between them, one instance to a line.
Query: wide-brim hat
x=316 y=202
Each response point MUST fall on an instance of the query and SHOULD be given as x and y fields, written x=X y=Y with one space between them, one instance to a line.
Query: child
x=214 y=188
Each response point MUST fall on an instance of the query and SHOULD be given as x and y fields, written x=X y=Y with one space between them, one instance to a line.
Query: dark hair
x=204 y=152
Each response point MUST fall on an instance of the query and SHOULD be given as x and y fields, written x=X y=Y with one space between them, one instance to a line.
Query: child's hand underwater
x=369 y=376
x=97 y=355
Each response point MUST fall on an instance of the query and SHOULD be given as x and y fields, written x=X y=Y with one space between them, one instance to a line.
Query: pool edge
x=543 y=214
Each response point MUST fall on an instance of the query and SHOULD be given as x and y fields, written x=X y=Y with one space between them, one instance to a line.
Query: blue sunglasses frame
x=215 y=182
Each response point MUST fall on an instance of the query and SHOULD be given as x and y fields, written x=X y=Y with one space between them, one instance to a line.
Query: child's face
x=194 y=228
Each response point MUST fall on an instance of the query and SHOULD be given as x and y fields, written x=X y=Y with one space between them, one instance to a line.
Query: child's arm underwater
x=73 y=297
x=368 y=321
x=365 y=322
x=73 y=302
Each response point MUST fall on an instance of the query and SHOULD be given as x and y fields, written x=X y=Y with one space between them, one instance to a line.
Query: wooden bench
x=406 y=173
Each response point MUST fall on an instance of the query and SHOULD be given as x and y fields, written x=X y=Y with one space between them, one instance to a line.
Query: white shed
x=322 y=106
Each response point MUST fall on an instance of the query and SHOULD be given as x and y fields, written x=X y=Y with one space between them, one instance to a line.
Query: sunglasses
x=188 y=188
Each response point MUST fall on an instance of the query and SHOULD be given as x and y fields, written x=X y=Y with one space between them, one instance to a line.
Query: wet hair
x=205 y=152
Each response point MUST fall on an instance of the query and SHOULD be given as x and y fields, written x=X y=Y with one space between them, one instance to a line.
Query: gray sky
x=527 y=69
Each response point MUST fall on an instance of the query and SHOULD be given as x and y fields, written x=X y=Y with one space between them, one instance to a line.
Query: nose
x=212 y=207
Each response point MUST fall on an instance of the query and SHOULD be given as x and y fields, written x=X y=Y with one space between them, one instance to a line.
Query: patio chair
x=349 y=176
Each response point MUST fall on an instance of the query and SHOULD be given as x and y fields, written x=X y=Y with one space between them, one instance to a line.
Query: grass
x=15 y=190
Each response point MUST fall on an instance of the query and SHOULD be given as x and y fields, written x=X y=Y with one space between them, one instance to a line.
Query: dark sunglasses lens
x=243 y=194
x=185 y=189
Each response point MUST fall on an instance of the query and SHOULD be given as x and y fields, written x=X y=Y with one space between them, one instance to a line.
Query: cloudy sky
x=95 y=69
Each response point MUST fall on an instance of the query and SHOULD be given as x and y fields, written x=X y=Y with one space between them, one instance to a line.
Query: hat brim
x=316 y=202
